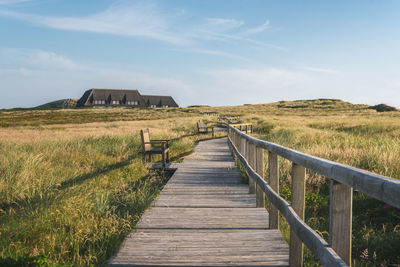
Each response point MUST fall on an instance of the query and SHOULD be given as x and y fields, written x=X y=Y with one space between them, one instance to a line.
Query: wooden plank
x=260 y=196
x=298 y=203
x=204 y=216
x=340 y=226
x=273 y=180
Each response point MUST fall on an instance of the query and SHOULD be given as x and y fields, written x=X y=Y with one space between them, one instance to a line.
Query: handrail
x=313 y=241
x=383 y=188
x=343 y=180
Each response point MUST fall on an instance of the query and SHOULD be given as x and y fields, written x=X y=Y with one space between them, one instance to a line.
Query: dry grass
x=72 y=191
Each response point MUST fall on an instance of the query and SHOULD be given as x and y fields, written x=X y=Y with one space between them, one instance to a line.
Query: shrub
x=383 y=108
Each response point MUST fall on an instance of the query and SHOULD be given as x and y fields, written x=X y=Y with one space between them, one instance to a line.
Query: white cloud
x=134 y=20
x=252 y=85
x=227 y=30
x=257 y=78
x=39 y=59
x=258 y=29
x=220 y=24
x=321 y=70
x=212 y=53
x=147 y=21
x=42 y=76
x=10 y=2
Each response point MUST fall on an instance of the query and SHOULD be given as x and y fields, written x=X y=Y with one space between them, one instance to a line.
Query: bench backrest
x=145 y=134
x=200 y=125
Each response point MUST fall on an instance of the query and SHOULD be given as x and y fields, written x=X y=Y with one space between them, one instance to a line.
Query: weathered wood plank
x=340 y=226
x=204 y=217
x=298 y=204
x=260 y=196
x=273 y=180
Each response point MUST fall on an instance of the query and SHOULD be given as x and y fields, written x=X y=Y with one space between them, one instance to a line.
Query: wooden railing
x=244 y=127
x=343 y=179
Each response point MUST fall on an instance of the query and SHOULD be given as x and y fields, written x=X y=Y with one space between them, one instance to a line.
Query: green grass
x=71 y=189
x=71 y=202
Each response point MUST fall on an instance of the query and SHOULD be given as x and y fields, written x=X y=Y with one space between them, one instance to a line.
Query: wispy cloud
x=258 y=29
x=260 y=78
x=11 y=2
x=249 y=85
x=228 y=30
x=39 y=76
x=211 y=52
x=222 y=24
x=146 y=20
x=321 y=70
x=40 y=59
x=141 y=20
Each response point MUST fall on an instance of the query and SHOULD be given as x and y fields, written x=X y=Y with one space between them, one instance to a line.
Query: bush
x=383 y=108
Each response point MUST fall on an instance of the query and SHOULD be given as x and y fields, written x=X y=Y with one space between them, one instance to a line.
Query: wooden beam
x=260 y=196
x=273 y=180
x=340 y=220
x=298 y=204
x=252 y=162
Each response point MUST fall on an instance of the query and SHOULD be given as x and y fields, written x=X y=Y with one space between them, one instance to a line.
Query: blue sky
x=201 y=52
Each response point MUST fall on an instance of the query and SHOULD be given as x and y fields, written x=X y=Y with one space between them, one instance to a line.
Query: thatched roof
x=159 y=101
x=107 y=97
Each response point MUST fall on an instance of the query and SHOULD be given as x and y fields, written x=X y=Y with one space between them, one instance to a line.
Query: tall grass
x=72 y=183
x=73 y=200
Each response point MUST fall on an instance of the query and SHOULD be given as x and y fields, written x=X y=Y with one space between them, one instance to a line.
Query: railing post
x=273 y=180
x=260 y=170
x=340 y=220
x=296 y=247
x=252 y=162
x=242 y=146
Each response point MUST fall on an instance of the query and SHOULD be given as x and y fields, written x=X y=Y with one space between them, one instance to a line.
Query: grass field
x=72 y=184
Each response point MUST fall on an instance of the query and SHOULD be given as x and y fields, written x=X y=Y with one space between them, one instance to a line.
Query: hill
x=62 y=103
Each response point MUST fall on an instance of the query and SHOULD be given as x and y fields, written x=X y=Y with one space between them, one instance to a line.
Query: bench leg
x=144 y=158
x=168 y=156
x=163 y=158
x=149 y=157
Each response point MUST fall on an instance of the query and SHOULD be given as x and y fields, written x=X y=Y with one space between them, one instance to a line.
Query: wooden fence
x=343 y=179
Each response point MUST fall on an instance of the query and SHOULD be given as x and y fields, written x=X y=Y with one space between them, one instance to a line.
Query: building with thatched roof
x=122 y=98
x=155 y=101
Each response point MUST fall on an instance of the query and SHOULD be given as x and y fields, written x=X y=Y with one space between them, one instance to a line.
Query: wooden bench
x=203 y=129
x=162 y=147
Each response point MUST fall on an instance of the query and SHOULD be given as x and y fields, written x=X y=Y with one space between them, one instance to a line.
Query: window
x=99 y=102
x=134 y=103
x=116 y=102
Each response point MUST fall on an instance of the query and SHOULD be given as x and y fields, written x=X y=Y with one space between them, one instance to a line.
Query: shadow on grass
x=49 y=194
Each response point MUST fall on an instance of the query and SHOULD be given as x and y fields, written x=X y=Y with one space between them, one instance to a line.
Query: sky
x=209 y=52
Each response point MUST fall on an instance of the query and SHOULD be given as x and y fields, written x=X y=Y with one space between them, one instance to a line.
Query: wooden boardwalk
x=204 y=216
